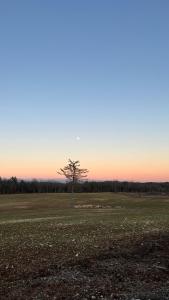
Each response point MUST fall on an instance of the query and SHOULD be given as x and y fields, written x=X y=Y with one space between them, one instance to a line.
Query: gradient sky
x=94 y=69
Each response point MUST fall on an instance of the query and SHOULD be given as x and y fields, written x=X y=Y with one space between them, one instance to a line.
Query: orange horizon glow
x=92 y=176
x=128 y=169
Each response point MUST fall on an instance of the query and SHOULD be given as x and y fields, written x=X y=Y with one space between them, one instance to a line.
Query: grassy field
x=109 y=246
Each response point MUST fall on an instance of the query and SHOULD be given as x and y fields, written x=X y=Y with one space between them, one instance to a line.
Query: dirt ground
x=135 y=268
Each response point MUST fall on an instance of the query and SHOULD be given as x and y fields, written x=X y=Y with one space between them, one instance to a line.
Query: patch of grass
x=49 y=250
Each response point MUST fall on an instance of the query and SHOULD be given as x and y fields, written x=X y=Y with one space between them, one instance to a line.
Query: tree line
x=14 y=185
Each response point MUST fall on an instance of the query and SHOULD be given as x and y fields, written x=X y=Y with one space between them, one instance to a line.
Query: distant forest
x=15 y=186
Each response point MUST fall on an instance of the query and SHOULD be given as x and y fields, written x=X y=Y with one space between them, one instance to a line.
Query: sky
x=86 y=80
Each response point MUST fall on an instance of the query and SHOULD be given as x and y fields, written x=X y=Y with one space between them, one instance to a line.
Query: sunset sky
x=86 y=80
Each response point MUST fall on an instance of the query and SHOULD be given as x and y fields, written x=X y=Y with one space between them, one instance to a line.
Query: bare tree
x=73 y=173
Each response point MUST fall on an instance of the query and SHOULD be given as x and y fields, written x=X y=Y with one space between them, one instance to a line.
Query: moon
x=77 y=138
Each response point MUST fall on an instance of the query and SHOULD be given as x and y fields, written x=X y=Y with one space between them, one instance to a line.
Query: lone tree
x=73 y=173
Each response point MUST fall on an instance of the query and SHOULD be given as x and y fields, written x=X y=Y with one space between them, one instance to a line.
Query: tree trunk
x=72 y=195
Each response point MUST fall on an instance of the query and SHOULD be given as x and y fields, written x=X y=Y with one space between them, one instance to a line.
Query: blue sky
x=94 y=69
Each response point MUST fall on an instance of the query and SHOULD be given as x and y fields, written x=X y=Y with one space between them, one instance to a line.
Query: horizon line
x=89 y=180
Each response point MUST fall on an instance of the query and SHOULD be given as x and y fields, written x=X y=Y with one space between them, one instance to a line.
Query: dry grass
x=116 y=248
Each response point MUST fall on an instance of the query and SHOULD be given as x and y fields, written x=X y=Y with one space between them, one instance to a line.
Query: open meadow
x=109 y=246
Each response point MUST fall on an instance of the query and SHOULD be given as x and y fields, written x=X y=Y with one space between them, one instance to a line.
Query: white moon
x=78 y=138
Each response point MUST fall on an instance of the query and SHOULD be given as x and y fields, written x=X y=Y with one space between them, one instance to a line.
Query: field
x=109 y=246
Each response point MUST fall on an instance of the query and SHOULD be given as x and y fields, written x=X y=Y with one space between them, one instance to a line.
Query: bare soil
x=134 y=268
